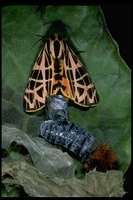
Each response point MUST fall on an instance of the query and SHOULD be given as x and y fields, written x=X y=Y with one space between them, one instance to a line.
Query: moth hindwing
x=57 y=70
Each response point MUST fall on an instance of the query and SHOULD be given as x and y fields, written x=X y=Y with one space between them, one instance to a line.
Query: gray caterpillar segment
x=56 y=108
x=67 y=135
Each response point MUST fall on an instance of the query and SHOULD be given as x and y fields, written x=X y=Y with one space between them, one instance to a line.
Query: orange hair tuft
x=102 y=159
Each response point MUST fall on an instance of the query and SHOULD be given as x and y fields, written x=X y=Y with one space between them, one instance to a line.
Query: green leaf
x=110 y=120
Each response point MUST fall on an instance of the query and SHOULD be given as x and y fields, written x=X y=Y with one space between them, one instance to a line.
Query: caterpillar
x=78 y=142
x=58 y=71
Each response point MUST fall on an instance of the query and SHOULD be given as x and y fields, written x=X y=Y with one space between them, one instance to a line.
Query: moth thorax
x=56 y=108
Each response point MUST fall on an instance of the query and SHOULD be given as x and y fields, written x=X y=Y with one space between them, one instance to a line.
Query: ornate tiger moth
x=58 y=71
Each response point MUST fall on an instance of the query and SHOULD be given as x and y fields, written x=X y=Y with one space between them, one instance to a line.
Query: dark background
x=118 y=20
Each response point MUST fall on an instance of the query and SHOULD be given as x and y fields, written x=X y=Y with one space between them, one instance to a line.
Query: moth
x=58 y=71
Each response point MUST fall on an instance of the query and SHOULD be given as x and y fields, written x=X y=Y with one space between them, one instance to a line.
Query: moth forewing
x=84 y=91
x=36 y=93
